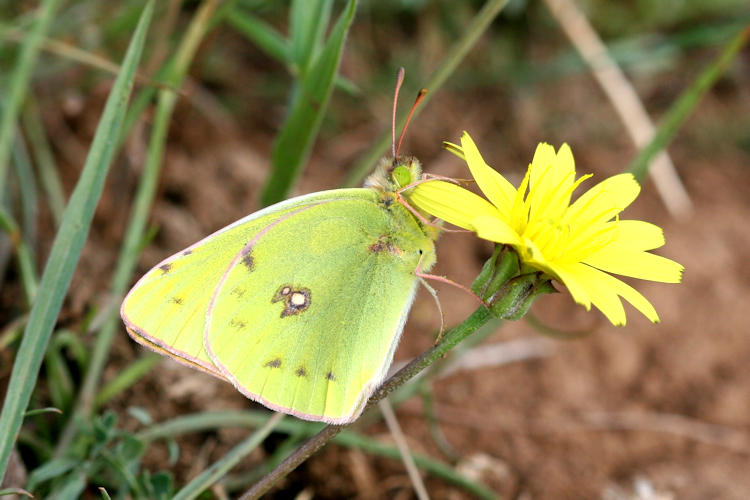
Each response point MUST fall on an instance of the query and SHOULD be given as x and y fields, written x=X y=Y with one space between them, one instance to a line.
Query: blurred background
x=558 y=405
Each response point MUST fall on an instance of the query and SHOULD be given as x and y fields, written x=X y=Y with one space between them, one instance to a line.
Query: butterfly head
x=393 y=174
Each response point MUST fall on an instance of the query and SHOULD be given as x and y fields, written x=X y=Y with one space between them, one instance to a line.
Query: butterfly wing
x=166 y=309
x=300 y=305
x=308 y=315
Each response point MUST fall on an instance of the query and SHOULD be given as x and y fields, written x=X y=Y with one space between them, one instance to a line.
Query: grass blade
x=50 y=180
x=684 y=105
x=307 y=23
x=19 y=81
x=292 y=146
x=26 y=266
x=67 y=247
x=28 y=191
x=262 y=34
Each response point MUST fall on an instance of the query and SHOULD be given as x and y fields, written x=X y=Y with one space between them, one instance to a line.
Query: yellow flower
x=578 y=243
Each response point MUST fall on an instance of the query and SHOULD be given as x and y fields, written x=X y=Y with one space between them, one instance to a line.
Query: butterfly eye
x=401 y=175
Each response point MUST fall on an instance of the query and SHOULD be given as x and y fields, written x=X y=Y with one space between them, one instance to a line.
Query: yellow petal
x=494 y=186
x=637 y=235
x=495 y=229
x=631 y=295
x=455 y=149
x=519 y=212
x=543 y=161
x=603 y=296
x=603 y=201
x=572 y=283
x=551 y=180
x=636 y=264
x=451 y=203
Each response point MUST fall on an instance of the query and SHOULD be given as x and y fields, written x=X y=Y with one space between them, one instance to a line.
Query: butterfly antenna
x=399 y=81
x=419 y=98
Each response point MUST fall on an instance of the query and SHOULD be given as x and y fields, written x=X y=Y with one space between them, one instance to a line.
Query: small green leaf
x=39 y=411
x=141 y=415
x=130 y=450
x=174 y=451
x=162 y=486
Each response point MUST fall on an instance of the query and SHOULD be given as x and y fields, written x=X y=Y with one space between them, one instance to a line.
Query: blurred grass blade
x=19 y=81
x=50 y=470
x=219 y=468
x=308 y=20
x=275 y=46
x=310 y=100
x=684 y=105
x=28 y=189
x=450 y=62
x=261 y=34
x=27 y=269
x=67 y=246
x=15 y=491
x=127 y=377
x=45 y=160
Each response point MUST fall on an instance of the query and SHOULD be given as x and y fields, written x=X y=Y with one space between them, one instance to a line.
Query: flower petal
x=572 y=282
x=603 y=296
x=551 y=181
x=449 y=202
x=495 y=229
x=638 y=235
x=494 y=186
x=636 y=264
x=631 y=295
x=455 y=149
x=603 y=201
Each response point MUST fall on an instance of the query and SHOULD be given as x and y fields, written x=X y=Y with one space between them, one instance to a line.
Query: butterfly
x=300 y=305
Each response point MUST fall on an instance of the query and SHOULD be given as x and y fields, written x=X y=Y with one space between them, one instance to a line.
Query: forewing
x=166 y=309
x=308 y=315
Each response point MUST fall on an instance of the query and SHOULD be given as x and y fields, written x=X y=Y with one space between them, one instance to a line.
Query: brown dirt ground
x=663 y=405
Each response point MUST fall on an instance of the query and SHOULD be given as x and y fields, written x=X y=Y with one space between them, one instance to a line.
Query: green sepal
x=514 y=298
x=501 y=267
x=485 y=275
